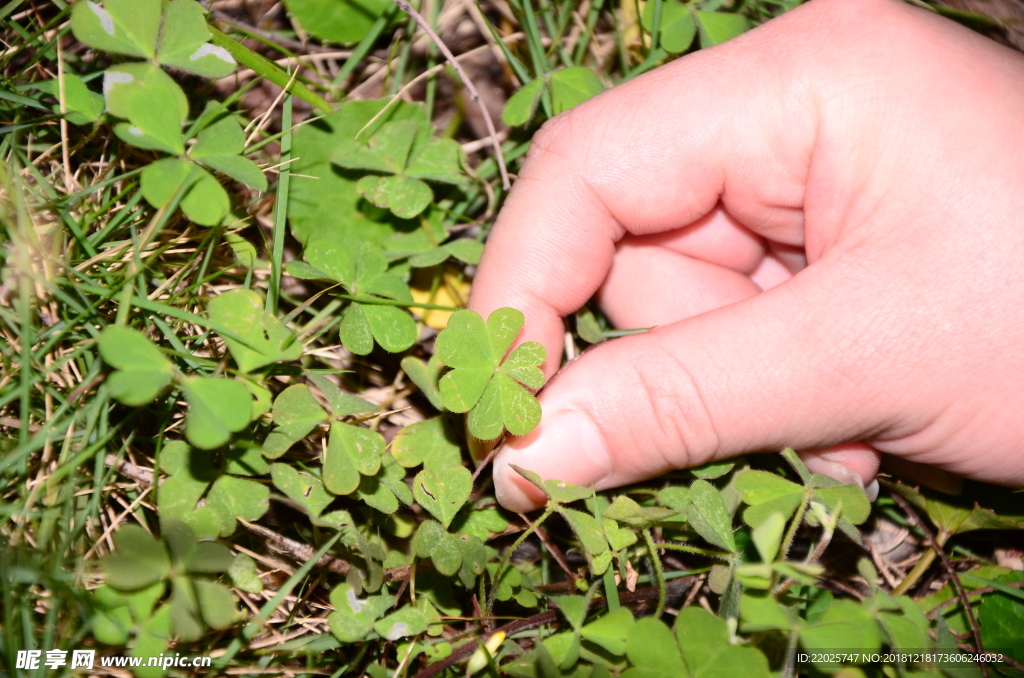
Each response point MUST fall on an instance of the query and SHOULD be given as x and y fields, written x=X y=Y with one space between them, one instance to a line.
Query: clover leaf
x=678 y=25
x=767 y=493
x=717 y=27
x=142 y=371
x=297 y=412
x=220 y=147
x=443 y=491
x=172 y=33
x=465 y=250
x=204 y=200
x=352 y=451
x=405 y=158
x=485 y=383
x=218 y=407
x=208 y=495
x=425 y=375
x=567 y=87
x=142 y=562
x=429 y=442
x=365 y=278
x=353 y=617
x=267 y=339
x=81 y=103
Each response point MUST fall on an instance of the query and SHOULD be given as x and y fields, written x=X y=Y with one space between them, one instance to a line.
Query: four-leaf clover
x=483 y=380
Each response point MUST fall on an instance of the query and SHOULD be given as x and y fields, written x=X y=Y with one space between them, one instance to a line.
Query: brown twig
x=556 y=553
x=976 y=592
x=957 y=584
x=538 y=620
x=304 y=552
x=473 y=94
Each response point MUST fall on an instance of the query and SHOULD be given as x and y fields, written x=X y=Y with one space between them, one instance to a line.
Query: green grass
x=83 y=250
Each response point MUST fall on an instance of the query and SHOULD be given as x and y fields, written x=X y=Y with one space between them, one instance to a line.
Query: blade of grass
x=280 y=210
x=268 y=69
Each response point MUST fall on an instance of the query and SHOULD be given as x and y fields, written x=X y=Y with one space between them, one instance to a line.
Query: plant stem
x=658 y=572
x=508 y=554
x=798 y=518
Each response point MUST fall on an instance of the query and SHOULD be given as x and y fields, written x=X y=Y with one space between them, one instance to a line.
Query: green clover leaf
x=767 y=494
x=483 y=380
x=567 y=87
x=142 y=370
x=267 y=339
x=218 y=407
x=174 y=34
x=208 y=497
x=678 y=25
x=364 y=277
x=219 y=147
x=402 y=151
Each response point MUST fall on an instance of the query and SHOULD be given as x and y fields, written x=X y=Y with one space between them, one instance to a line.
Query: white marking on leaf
x=111 y=78
x=399 y=630
x=354 y=603
x=209 y=49
x=106 y=21
x=135 y=131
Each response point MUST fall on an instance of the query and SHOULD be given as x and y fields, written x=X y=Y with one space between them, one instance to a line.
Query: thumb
x=774 y=371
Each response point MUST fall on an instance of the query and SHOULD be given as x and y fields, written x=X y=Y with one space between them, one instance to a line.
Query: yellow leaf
x=451 y=291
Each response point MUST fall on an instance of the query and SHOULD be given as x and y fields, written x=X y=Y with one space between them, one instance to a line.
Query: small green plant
x=244 y=413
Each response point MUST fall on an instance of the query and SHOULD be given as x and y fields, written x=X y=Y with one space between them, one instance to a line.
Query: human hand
x=822 y=217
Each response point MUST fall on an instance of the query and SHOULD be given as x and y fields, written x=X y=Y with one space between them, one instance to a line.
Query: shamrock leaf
x=558 y=491
x=443 y=491
x=567 y=87
x=296 y=412
x=174 y=34
x=142 y=370
x=219 y=147
x=955 y=515
x=353 y=617
x=678 y=26
x=267 y=339
x=767 y=494
x=204 y=200
x=218 y=407
x=626 y=511
x=364 y=277
x=142 y=562
x=208 y=497
x=304 y=489
x=483 y=380
x=717 y=27
x=465 y=250
x=429 y=442
x=81 y=103
x=709 y=516
x=151 y=101
x=425 y=375
x=704 y=643
x=444 y=549
x=404 y=153
x=351 y=451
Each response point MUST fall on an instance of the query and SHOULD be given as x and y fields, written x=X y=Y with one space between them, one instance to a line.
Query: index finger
x=651 y=155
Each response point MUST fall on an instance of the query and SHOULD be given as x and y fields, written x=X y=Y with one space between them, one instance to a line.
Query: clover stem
x=552 y=507
x=659 y=573
x=380 y=301
x=793 y=526
x=693 y=549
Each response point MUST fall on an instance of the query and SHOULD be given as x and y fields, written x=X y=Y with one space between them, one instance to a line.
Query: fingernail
x=567 y=446
x=828 y=463
x=872 y=490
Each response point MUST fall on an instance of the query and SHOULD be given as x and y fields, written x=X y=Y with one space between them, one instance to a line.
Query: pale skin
x=823 y=218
